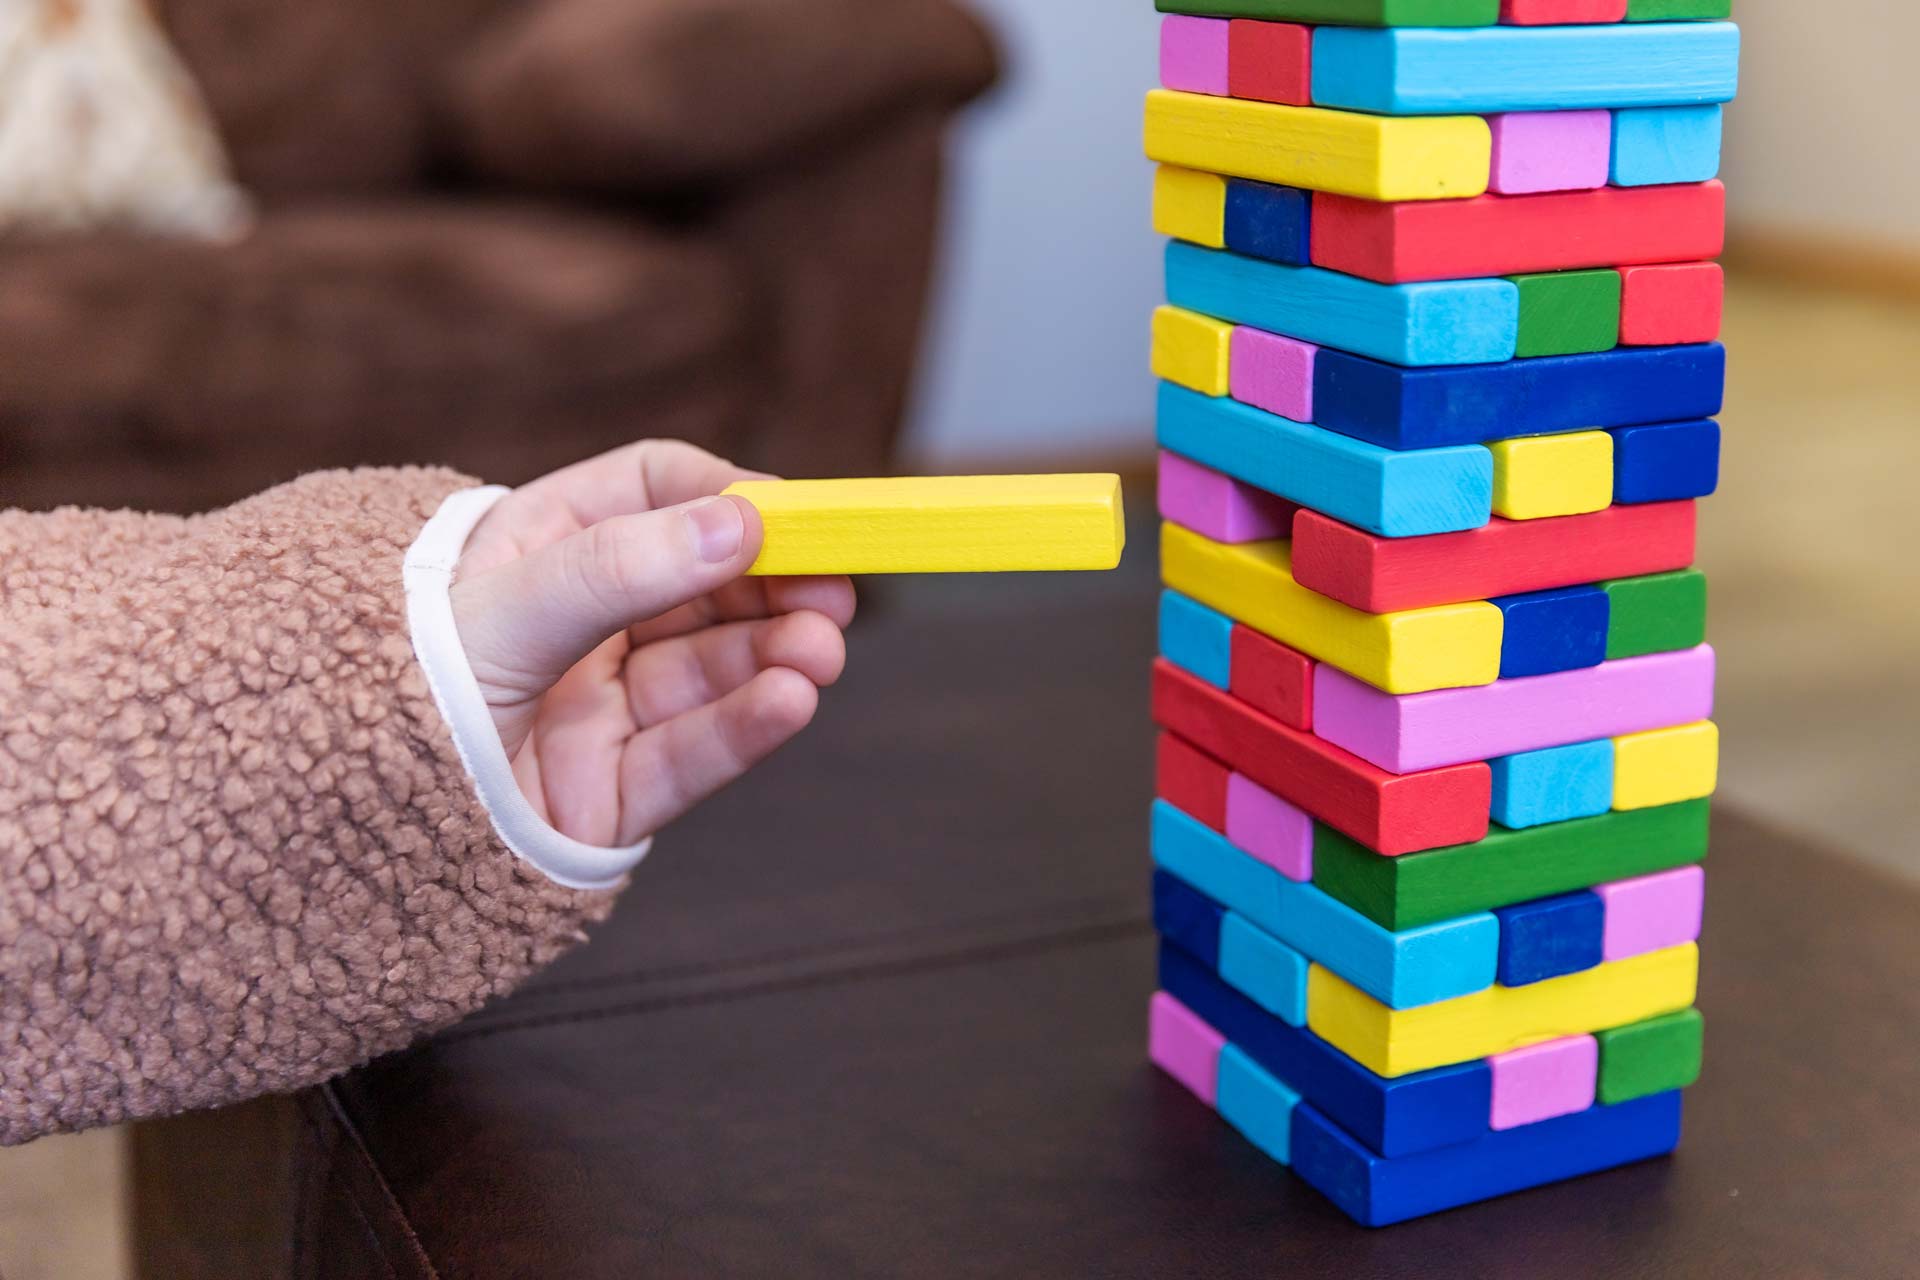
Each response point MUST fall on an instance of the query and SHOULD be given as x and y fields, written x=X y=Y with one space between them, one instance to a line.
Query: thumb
x=525 y=623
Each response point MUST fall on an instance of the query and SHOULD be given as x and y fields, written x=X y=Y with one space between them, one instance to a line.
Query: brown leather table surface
x=880 y=1011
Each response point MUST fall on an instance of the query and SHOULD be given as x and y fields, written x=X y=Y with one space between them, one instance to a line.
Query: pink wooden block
x=1550 y=151
x=1652 y=913
x=1408 y=732
x=1269 y=828
x=1193 y=54
x=1273 y=373
x=1183 y=1046
x=1542 y=1081
x=1205 y=501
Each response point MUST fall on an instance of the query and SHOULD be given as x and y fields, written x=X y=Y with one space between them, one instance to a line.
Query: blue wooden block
x=1265 y=970
x=1425 y=71
x=1433 y=323
x=1270 y=222
x=1252 y=1101
x=1556 y=784
x=1377 y=1192
x=1401 y=970
x=1196 y=638
x=1186 y=917
x=1423 y=408
x=1666 y=461
x=1655 y=146
x=1551 y=937
x=1558 y=630
x=1393 y=493
x=1411 y=1113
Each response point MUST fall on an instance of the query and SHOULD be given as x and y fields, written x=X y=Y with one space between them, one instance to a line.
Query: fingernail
x=718 y=529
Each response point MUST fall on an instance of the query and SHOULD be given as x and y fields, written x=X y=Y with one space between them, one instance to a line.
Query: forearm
x=238 y=851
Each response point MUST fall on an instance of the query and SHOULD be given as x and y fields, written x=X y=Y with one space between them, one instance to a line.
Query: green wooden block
x=1508 y=866
x=1650 y=1057
x=1677 y=10
x=1350 y=13
x=1658 y=613
x=1568 y=313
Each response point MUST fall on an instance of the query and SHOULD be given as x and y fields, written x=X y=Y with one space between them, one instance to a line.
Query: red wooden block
x=1389 y=813
x=1502 y=557
x=1192 y=781
x=1270 y=62
x=1272 y=678
x=1504 y=235
x=1666 y=306
x=1550 y=13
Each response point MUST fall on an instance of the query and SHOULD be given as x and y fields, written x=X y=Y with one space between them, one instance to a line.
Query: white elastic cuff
x=430 y=563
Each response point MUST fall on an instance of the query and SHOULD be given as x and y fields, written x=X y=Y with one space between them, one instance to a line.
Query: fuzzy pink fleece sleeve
x=238 y=852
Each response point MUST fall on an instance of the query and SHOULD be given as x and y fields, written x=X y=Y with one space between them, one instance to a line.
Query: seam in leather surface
x=363 y=1156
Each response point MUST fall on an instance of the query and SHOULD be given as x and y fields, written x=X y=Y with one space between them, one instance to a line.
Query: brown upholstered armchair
x=505 y=234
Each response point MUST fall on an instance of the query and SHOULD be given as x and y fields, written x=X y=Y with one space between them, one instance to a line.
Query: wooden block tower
x=1439 y=375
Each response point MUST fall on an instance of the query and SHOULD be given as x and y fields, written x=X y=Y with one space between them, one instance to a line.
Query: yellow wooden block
x=1373 y=157
x=1445 y=647
x=1666 y=766
x=1190 y=205
x=1539 y=476
x=1191 y=349
x=937 y=524
x=1396 y=1042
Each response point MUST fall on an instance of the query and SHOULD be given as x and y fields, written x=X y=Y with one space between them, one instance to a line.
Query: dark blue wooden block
x=1412 y=1113
x=1551 y=938
x=1559 y=630
x=1186 y=917
x=1403 y=408
x=1377 y=1192
x=1265 y=221
x=1666 y=461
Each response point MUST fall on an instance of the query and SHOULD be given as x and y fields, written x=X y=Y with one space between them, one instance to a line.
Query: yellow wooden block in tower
x=1396 y=1042
x=1191 y=349
x=1539 y=476
x=1445 y=647
x=1666 y=766
x=937 y=524
x=1190 y=205
x=1373 y=157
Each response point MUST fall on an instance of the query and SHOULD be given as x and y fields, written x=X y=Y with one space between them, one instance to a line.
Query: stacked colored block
x=1440 y=381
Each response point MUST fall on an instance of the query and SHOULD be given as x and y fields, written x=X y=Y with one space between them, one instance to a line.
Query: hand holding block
x=937 y=524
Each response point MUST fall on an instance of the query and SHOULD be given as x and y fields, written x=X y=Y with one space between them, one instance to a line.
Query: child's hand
x=705 y=673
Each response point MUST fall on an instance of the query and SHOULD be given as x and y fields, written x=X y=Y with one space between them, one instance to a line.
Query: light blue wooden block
x=1265 y=970
x=1653 y=146
x=1401 y=970
x=1426 y=71
x=1256 y=1104
x=1394 y=493
x=1196 y=638
x=1553 y=785
x=1436 y=323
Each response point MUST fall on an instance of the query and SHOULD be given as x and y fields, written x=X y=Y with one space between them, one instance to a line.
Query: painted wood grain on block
x=1273 y=373
x=1419 y=1112
x=1508 y=866
x=1662 y=145
x=1449 y=322
x=1387 y=813
x=1193 y=781
x=1391 y=492
x=1536 y=151
x=1403 y=969
x=1190 y=205
x=937 y=524
x=1375 y=1192
x=1210 y=502
x=1446 y=647
x=1415 y=73
x=1401 y=408
x=1372 y=157
x=1503 y=557
x=1270 y=62
x=1498 y=235
x=1556 y=13
x=1272 y=677
x=1649 y=913
x=1183 y=1046
x=1656 y=613
x=1665 y=766
x=1410 y=732
x=1555 y=784
x=1191 y=350
x=1666 y=461
x=1537 y=477
x=1193 y=54
x=1261 y=220
x=1568 y=313
x=1370 y=13
x=1542 y=632
x=1551 y=937
x=1671 y=304
x=1651 y=1057
x=1544 y=1081
x=1395 y=1042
